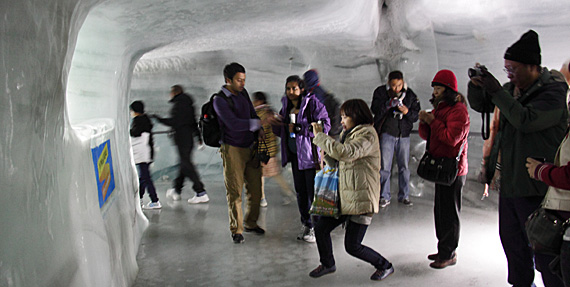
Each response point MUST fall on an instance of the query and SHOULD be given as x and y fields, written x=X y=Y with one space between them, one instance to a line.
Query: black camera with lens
x=476 y=71
x=297 y=128
x=318 y=122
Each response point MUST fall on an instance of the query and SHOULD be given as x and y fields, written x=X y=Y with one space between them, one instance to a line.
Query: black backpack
x=210 y=129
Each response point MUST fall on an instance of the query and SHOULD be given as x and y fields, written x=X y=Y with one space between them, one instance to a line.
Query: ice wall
x=54 y=232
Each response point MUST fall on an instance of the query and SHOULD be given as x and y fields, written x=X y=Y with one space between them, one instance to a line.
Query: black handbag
x=262 y=152
x=441 y=170
x=545 y=230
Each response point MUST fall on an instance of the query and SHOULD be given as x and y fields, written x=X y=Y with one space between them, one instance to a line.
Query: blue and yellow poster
x=103 y=171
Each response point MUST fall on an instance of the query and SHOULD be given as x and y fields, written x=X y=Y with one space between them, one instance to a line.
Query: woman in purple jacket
x=298 y=112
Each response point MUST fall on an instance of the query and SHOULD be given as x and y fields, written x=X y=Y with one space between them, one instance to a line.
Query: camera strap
x=314 y=150
x=486 y=125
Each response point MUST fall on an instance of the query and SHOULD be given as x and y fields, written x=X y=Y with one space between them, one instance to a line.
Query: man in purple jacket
x=240 y=126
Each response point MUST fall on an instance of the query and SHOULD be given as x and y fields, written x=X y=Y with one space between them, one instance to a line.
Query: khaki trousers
x=241 y=166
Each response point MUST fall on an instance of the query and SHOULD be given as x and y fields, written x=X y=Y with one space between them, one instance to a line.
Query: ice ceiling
x=71 y=67
x=353 y=44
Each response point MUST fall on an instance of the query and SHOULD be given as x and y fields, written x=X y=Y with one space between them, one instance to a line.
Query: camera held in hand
x=476 y=71
x=319 y=122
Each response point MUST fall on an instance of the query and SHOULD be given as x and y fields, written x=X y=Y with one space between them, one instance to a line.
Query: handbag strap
x=458 y=157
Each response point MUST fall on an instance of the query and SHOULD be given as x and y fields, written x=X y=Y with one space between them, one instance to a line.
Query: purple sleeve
x=228 y=117
x=320 y=113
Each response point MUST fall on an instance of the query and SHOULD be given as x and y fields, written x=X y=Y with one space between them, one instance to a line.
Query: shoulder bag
x=441 y=170
x=545 y=231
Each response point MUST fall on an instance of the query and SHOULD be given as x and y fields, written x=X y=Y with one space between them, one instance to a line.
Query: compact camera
x=319 y=122
x=476 y=71
x=395 y=102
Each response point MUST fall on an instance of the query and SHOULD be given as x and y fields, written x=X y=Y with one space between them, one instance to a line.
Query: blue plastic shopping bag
x=327 y=199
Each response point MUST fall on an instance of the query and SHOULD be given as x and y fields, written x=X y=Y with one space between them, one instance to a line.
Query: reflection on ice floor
x=190 y=245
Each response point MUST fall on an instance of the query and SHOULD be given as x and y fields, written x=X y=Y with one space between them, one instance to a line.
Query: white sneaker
x=153 y=205
x=199 y=199
x=310 y=237
x=307 y=234
x=171 y=193
x=263 y=203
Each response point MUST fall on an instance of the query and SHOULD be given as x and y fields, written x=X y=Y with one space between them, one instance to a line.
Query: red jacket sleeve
x=453 y=131
x=556 y=176
x=423 y=130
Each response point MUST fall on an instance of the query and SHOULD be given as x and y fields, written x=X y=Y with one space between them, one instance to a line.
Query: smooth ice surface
x=71 y=67
x=190 y=245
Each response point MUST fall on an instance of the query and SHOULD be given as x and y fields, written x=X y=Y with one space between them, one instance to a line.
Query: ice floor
x=190 y=245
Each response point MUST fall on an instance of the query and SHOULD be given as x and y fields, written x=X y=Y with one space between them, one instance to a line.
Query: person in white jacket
x=143 y=153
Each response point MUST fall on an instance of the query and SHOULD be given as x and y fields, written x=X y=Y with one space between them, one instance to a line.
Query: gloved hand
x=486 y=81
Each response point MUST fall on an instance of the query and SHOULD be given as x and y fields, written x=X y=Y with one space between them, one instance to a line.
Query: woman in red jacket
x=447 y=127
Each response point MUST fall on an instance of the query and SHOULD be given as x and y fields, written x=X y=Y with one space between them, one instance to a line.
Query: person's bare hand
x=274 y=121
x=317 y=128
x=426 y=117
x=403 y=109
x=531 y=165
x=261 y=135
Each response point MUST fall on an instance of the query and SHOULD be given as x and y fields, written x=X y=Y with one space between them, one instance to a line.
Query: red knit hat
x=445 y=78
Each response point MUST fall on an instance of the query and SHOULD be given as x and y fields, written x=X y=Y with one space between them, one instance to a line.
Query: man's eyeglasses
x=510 y=70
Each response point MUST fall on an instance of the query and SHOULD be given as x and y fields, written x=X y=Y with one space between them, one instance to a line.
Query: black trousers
x=513 y=213
x=145 y=181
x=447 y=206
x=352 y=242
x=304 y=181
x=186 y=169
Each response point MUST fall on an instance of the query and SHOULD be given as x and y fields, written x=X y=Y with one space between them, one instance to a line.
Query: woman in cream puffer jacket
x=358 y=153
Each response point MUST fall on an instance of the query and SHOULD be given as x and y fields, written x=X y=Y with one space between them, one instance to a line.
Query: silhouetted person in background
x=183 y=122
x=313 y=86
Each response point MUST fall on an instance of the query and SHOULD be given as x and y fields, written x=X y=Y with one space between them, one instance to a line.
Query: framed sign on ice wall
x=103 y=163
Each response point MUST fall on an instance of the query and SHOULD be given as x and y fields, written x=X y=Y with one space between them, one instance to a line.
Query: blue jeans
x=401 y=146
x=352 y=242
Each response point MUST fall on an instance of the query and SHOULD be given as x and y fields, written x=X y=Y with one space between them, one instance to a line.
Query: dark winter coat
x=142 y=124
x=532 y=125
x=182 y=120
x=333 y=109
x=394 y=126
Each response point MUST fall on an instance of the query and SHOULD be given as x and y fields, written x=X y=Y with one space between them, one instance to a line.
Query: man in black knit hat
x=533 y=120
